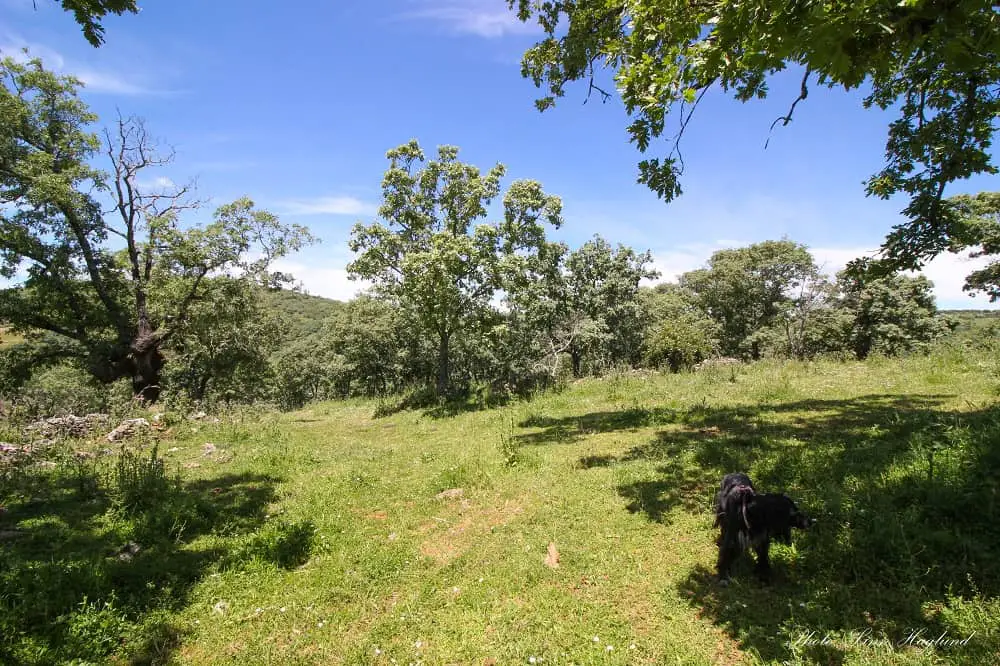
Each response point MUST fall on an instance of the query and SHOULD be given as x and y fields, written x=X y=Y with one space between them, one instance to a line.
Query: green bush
x=61 y=390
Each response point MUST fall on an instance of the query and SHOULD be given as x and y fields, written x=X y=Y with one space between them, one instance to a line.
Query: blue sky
x=295 y=105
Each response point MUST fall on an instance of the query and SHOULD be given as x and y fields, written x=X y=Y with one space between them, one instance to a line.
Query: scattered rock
x=127 y=552
x=208 y=449
x=11 y=452
x=191 y=465
x=84 y=455
x=9 y=534
x=451 y=493
x=198 y=416
x=720 y=362
x=128 y=428
x=173 y=449
x=220 y=608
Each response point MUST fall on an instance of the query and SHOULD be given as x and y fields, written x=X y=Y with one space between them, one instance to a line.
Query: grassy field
x=320 y=537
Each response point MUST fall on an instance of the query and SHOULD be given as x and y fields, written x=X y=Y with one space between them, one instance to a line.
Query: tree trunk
x=577 y=359
x=443 y=369
x=146 y=361
x=202 y=388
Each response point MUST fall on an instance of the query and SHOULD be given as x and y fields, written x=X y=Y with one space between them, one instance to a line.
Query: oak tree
x=435 y=255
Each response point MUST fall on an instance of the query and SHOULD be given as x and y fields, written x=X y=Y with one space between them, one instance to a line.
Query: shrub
x=139 y=483
x=61 y=390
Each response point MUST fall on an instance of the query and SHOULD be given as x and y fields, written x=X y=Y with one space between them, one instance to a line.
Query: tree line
x=110 y=277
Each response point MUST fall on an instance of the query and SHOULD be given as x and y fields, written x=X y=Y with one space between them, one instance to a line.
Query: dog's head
x=779 y=514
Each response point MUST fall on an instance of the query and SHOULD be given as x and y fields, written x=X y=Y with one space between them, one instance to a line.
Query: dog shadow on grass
x=83 y=578
x=906 y=495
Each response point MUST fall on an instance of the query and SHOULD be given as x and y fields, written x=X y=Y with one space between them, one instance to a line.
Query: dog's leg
x=728 y=552
x=763 y=567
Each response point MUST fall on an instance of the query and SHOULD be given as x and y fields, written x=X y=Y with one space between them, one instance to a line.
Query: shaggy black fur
x=752 y=519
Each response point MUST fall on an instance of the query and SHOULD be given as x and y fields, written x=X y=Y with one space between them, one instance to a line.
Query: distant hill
x=305 y=313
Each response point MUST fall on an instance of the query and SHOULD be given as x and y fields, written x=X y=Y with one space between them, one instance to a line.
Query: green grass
x=317 y=537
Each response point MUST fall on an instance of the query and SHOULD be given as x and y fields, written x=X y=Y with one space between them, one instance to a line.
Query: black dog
x=749 y=518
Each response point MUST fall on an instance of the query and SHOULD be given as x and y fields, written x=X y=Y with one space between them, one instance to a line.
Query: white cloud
x=157 y=183
x=329 y=206
x=672 y=263
x=94 y=80
x=111 y=83
x=484 y=18
x=947 y=271
x=322 y=281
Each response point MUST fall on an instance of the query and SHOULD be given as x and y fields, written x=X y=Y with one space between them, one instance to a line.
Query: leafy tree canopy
x=88 y=13
x=936 y=63
x=890 y=315
x=746 y=289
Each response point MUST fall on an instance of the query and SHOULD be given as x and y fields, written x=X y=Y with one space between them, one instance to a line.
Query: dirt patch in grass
x=447 y=538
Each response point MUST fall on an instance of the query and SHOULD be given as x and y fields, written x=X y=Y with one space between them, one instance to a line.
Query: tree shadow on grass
x=906 y=494
x=80 y=580
x=436 y=407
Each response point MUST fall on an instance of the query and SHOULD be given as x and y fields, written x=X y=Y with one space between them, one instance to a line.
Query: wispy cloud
x=102 y=81
x=483 y=18
x=157 y=183
x=329 y=206
x=114 y=84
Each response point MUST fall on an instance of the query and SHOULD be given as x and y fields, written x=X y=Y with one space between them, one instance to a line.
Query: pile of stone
x=128 y=428
x=721 y=362
x=68 y=426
